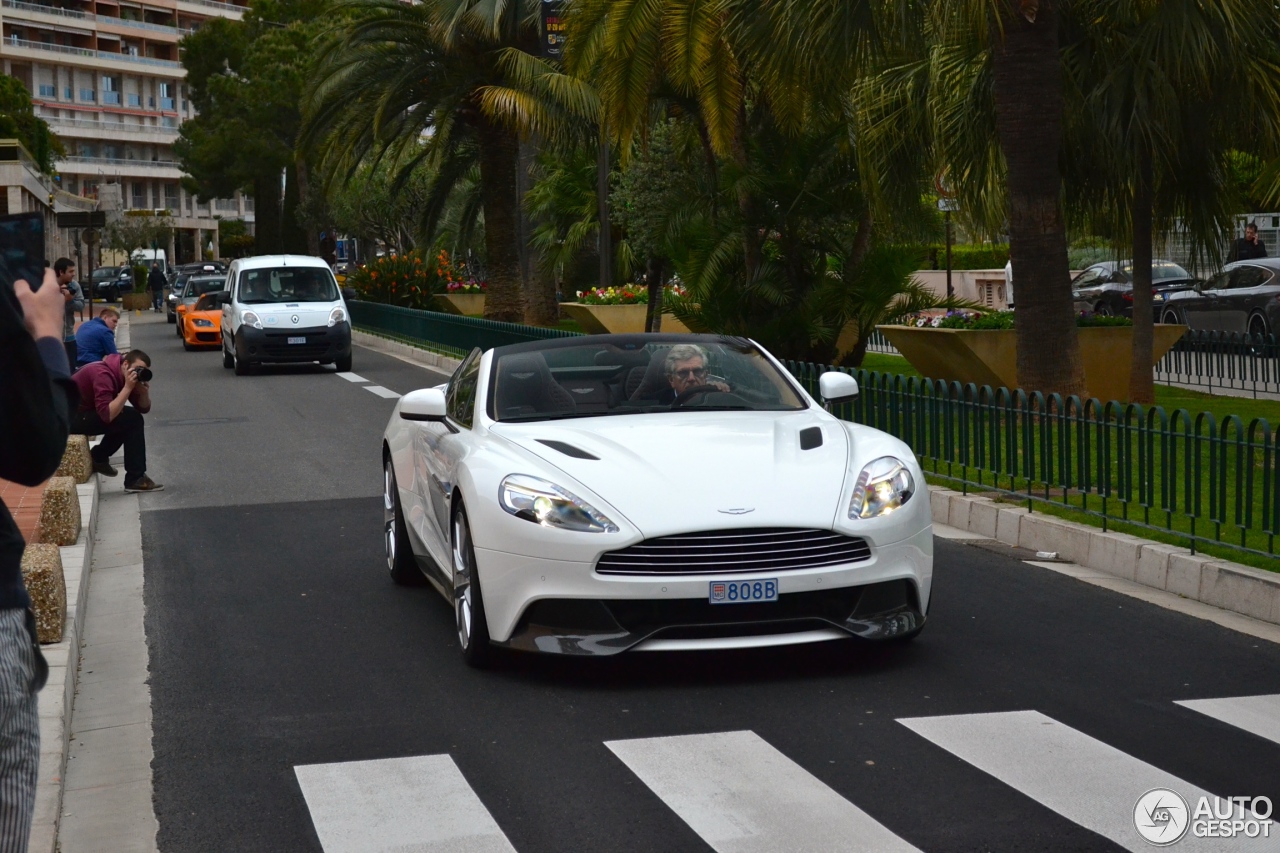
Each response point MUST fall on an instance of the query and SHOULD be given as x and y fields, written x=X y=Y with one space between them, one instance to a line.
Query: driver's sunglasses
x=690 y=373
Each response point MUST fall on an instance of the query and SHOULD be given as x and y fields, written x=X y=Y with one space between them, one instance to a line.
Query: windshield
x=208 y=302
x=287 y=284
x=599 y=377
x=200 y=286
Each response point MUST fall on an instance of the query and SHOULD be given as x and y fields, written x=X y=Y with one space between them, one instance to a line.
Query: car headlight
x=251 y=319
x=200 y=321
x=884 y=485
x=336 y=316
x=1157 y=297
x=545 y=503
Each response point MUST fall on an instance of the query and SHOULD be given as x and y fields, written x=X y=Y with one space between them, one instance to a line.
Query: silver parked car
x=1244 y=297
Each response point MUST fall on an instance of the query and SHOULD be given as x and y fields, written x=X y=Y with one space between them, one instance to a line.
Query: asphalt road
x=277 y=641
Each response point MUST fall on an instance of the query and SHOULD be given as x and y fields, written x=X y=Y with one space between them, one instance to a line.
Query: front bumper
x=555 y=607
x=321 y=343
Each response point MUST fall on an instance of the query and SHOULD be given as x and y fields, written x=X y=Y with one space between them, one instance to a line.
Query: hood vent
x=570 y=450
x=810 y=437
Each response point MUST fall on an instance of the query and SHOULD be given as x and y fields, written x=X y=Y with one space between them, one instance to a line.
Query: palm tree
x=1167 y=92
x=407 y=81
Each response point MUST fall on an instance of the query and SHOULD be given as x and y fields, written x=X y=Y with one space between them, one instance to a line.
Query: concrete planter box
x=618 y=319
x=989 y=356
x=135 y=301
x=471 y=304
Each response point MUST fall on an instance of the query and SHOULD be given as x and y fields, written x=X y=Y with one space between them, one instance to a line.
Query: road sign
x=89 y=236
x=82 y=219
x=948 y=205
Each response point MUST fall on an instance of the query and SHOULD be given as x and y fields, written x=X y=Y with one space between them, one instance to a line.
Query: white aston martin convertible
x=593 y=495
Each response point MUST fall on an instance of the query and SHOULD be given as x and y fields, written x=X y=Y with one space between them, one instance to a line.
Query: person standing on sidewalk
x=73 y=296
x=37 y=398
x=156 y=283
x=105 y=386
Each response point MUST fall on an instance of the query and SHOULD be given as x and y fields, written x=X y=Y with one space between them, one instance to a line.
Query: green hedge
x=965 y=257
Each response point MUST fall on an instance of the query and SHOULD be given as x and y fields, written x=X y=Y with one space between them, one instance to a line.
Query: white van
x=283 y=308
x=147 y=257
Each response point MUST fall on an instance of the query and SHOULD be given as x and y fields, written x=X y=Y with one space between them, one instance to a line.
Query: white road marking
x=353 y=377
x=740 y=794
x=420 y=804
x=382 y=392
x=1259 y=715
x=1077 y=776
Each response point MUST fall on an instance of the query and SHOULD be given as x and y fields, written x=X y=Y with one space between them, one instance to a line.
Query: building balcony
x=212 y=7
x=88 y=128
x=40 y=51
x=35 y=11
x=116 y=167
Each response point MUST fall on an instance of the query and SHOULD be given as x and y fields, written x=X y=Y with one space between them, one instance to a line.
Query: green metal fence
x=448 y=331
x=1189 y=475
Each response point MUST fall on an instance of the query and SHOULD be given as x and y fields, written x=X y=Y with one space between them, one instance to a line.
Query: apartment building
x=106 y=76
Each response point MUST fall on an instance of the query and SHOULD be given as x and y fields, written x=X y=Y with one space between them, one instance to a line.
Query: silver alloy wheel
x=389 y=514
x=462 y=569
x=1170 y=318
x=1258 y=327
x=1103 y=310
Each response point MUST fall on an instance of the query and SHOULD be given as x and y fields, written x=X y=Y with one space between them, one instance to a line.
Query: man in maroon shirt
x=105 y=386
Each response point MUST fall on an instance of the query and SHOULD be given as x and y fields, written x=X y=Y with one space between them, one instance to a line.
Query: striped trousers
x=19 y=730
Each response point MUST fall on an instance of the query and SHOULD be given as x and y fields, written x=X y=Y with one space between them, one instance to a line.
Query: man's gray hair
x=684 y=352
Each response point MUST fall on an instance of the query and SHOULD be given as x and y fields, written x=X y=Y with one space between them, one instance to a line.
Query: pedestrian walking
x=37 y=398
x=156 y=283
x=65 y=271
x=1249 y=246
x=96 y=339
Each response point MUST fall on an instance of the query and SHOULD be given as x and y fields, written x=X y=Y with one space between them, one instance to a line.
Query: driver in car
x=686 y=368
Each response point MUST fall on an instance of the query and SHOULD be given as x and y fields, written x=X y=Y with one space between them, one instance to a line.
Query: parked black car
x=1244 y=297
x=110 y=282
x=1107 y=287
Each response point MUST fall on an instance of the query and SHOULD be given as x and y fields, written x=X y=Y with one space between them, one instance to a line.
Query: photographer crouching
x=105 y=386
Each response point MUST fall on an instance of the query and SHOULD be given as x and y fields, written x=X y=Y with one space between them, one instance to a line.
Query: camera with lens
x=144 y=374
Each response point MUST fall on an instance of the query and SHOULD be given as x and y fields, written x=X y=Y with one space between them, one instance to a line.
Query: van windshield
x=287 y=284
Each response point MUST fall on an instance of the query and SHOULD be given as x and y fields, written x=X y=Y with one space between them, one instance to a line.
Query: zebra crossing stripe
x=1259 y=715
x=421 y=803
x=353 y=377
x=740 y=794
x=1083 y=779
x=381 y=392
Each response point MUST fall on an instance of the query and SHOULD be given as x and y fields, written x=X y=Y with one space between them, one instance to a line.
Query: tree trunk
x=504 y=299
x=653 y=280
x=266 y=204
x=1028 y=101
x=1142 y=387
x=293 y=235
x=751 y=243
x=541 y=307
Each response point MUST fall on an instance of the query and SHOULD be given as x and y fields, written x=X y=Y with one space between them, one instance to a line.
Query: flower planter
x=461 y=303
x=135 y=301
x=990 y=357
x=618 y=319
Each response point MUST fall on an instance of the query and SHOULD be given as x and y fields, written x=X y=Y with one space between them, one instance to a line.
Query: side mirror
x=349 y=294
x=425 y=404
x=224 y=297
x=836 y=387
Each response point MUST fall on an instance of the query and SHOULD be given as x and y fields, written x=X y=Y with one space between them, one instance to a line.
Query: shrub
x=965 y=257
x=404 y=280
x=140 y=273
x=629 y=294
x=998 y=320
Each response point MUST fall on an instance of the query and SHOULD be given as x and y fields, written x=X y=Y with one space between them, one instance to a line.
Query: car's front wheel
x=243 y=367
x=228 y=360
x=468 y=602
x=344 y=364
x=395 y=536
x=1171 y=318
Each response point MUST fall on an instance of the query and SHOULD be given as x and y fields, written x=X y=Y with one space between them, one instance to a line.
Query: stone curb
x=58 y=694
x=1210 y=580
x=408 y=352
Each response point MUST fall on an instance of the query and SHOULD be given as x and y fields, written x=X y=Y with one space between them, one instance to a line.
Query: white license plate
x=740 y=592
x=302 y=340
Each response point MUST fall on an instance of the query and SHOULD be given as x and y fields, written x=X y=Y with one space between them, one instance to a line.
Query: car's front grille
x=732 y=551
x=207 y=337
